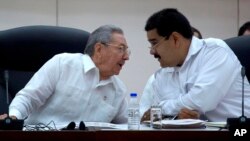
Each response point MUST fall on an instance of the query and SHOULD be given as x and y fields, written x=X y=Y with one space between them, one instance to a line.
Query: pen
x=174 y=117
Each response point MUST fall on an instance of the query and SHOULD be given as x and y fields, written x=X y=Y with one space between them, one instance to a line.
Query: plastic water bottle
x=133 y=113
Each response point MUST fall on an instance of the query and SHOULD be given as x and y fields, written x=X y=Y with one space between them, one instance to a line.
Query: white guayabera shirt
x=208 y=81
x=67 y=88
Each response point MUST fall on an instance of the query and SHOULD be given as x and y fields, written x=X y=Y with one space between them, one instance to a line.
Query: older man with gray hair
x=78 y=87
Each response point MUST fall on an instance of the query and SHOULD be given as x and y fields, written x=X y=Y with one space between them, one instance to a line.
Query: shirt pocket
x=69 y=97
x=102 y=111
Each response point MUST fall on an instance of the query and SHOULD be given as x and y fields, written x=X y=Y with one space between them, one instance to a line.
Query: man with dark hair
x=196 y=32
x=197 y=76
x=244 y=29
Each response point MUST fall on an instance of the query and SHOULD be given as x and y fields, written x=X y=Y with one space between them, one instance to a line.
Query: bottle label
x=133 y=119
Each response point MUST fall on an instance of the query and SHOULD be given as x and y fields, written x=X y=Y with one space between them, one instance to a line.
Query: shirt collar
x=89 y=65
x=195 y=47
x=164 y=70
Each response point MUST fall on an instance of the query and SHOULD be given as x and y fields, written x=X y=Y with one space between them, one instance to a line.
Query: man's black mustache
x=157 y=56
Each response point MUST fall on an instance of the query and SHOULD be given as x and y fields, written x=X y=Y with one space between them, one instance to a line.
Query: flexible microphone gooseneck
x=243 y=74
x=241 y=122
x=8 y=123
x=6 y=78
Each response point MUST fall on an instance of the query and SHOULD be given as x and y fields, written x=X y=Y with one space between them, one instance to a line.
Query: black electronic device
x=8 y=123
x=72 y=126
x=11 y=124
x=82 y=126
x=241 y=122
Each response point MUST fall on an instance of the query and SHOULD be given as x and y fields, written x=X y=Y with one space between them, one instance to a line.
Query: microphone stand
x=8 y=123
x=242 y=122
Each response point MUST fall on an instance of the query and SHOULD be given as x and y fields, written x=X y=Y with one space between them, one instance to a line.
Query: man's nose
x=126 y=56
x=152 y=51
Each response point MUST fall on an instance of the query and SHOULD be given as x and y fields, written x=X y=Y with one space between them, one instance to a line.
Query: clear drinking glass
x=155 y=116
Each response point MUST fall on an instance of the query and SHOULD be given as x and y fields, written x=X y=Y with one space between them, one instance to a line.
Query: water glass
x=155 y=116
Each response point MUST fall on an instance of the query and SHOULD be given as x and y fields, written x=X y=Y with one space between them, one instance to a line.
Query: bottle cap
x=133 y=94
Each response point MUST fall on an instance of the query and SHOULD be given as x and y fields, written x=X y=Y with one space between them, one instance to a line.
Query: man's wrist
x=13 y=117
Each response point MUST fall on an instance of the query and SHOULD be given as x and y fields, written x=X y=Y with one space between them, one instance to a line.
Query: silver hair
x=102 y=34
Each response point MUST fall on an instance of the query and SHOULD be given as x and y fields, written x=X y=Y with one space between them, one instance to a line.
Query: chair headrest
x=241 y=47
x=27 y=48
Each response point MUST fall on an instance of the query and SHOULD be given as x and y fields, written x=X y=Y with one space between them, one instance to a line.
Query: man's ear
x=98 y=49
x=176 y=38
x=97 y=55
x=176 y=35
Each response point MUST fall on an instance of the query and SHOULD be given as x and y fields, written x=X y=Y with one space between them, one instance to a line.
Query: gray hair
x=102 y=34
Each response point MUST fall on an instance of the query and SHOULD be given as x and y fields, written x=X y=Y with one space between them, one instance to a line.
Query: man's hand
x=146 y=116
x=13 y=117
x=3 y=116
x=186 y=113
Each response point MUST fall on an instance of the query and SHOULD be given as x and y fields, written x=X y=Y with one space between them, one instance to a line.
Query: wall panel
x=14 y=13
x=244 y=11
x=214 y=18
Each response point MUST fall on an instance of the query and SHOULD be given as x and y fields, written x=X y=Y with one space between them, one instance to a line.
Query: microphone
x=8 y=123
x=242 y=122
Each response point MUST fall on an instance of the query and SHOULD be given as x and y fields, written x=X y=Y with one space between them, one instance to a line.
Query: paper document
x=216 y=124
x=181 y=123
x=104 y=125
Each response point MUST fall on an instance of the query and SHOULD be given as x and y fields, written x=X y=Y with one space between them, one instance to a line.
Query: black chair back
x=23 y=50
x=241 y=47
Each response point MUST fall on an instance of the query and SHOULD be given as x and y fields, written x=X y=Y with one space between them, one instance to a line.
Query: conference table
x=118 y=135
x=114 y=135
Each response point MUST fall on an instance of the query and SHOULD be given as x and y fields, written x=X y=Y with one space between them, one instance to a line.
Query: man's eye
x=154 y=43
x=120 y=48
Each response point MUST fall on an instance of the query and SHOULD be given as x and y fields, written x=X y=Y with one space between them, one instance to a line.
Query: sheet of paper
x=216 y=124
x=181 y=123
x=104 y=125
